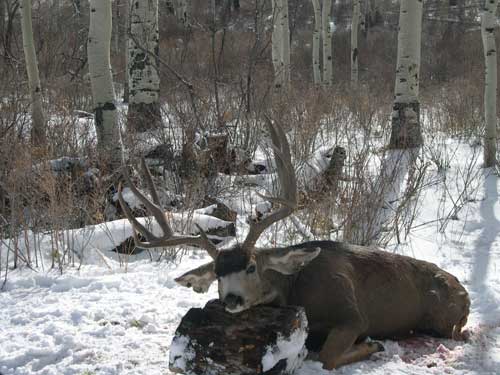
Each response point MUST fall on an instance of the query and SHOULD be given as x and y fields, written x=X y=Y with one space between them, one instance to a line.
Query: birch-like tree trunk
x=326 y=19
x=406 y=136
x=285 y=27
x=276 y=45
x=125 y=30
x=488 y=24
x=181 y=11
x=406 y=131
x=144 y=80
x=316 y=42
x=38 y=137
x=356 y=15
x=98 y=49
x=280 y=40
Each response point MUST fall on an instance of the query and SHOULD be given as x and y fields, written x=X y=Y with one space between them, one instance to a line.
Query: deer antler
x=288 y=186
x=168 y=238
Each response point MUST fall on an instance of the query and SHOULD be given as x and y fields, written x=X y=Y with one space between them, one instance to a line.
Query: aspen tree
x=181 y=11
x=276 y=46
x=280 y=44
x=316 y=42
x=144 y=80
x=356 y=15
x=98 y=49
x=38 y=137
x=285 y=36
x=488 y=23
x=406 y=131
x=406 y=136
x=326 y=19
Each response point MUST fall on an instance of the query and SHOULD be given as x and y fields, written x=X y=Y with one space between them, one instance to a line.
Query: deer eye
x=251 y=269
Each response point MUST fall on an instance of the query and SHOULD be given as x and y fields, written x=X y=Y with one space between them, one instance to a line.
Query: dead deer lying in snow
x=348 y=292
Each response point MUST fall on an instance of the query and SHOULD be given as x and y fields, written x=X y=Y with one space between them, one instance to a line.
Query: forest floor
x=105 y=318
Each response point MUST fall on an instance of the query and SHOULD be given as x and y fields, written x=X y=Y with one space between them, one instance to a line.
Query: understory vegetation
x=216 y=92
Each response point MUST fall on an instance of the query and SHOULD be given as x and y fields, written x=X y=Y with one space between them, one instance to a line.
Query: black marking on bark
x=354 y=55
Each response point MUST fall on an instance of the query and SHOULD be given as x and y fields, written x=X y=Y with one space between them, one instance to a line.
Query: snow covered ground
x=108 y=319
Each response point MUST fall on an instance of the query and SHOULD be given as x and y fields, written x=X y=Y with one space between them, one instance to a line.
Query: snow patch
x=292 y=349
x=180 y=352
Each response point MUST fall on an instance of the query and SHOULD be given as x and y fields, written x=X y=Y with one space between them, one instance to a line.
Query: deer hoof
x=377 y=347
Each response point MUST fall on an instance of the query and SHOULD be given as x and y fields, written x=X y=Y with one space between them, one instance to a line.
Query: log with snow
x=262 y=340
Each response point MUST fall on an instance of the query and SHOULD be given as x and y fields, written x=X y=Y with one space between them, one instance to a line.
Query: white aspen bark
x=326 y=19
x=316 y=42
x=144 y=80
x=488 y=24
x=115 y=33
x=125 y=30
x=406 y=132
x=101 y=79
x=363 y=14
x=356 y=14
x=285 y=43
x=406 y=136
x=276 y=44
x=38 y=137
x=181 y=11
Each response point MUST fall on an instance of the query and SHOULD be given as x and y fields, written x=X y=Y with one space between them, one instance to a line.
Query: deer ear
x=288 y=260
x=199 y=279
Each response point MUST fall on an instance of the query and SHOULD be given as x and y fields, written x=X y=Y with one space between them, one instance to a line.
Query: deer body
x=378 y=294
x=348 y=292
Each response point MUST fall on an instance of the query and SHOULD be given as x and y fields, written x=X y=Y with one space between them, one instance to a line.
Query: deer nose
x=232 y=301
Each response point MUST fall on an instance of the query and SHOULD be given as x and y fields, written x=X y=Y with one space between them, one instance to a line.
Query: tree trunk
x=38 y=137
x=144 y=80
x=8 y=36
x=181 y=11
x=125 y=30
x=406 y=132
x=98 y=49
x=326 y=19
x=406 y=136
x=285 y=35
x=488 y=23
x=316 y=42
x=213 y=341
x=356 y=14
x=276 y=44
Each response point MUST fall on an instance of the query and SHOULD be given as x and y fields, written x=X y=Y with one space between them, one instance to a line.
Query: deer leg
x=338 y=342
x=359 y=352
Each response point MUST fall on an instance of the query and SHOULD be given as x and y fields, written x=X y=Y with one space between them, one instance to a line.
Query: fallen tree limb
x=262 y=340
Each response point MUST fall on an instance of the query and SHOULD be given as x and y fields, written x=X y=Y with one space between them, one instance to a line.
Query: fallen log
x=262 y=340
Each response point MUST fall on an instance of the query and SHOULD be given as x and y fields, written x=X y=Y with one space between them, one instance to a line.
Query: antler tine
x=155 y=209
x=130 y=217
x=208 y=244
x=168 y=238
x=288 y=186
x=149 y=181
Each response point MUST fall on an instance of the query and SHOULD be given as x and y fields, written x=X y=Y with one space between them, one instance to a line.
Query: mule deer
x=349 y=292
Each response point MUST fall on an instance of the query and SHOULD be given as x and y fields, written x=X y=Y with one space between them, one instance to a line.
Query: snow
x=179 y=352
x=101 y=317
x=292 y=349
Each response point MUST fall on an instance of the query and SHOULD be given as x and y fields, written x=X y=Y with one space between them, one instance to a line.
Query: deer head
x=246 y=276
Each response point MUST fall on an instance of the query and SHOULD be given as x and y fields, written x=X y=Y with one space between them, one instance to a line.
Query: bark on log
x=261 y=340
